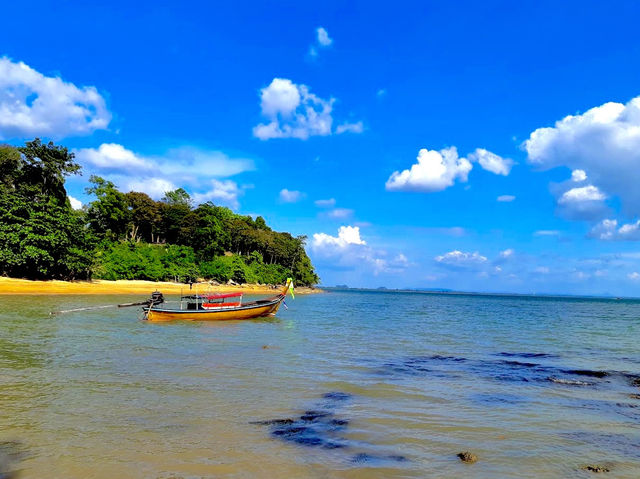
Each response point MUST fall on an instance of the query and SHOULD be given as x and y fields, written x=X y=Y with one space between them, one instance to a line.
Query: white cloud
x=492 y=162
x=505 y=198
x=323 y=37
x=349 y=251
x=111 y=156
x=340 y=213
x=578 y=175
x=281 y=97
x=198 y=171
x=32 y=104
x=75 y=203
x=330 y=203
x=323 y=40
x=224 y=192
x=541 y=270
x=293 y=112
x=350 y=128
x=347 y=235
x=184 y=162
x=435 y=171
x=291 y=196
x=584 y=193
x=608 y=230
x=459 y=259
x=547 y=233
x=154 y=187
x=603 y=142
x=635 y=276
x=584 y=202
x=507 y=253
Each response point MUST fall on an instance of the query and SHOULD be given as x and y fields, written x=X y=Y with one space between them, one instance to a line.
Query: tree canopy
x=129 y=235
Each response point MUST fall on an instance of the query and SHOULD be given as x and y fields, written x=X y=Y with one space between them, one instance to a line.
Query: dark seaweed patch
x=527 y=355
x=510 y=370
x=320 y=428
x=363 y=458
x=586 y=372
x=273 y=422
x=337 y=396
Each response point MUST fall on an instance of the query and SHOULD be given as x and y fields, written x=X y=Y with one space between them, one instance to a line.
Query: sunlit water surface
x=363 y=385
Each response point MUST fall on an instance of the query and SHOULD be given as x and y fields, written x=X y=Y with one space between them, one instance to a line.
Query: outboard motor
x=156 y=298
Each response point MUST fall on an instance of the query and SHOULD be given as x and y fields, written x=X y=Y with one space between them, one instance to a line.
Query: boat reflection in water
x=214 y=307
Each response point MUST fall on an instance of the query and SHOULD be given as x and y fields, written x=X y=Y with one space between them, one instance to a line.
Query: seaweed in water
x=321 y=428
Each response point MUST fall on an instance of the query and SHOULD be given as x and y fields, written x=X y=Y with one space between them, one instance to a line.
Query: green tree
x=109 y=214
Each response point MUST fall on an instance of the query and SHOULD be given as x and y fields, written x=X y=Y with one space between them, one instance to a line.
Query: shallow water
x=344 y=385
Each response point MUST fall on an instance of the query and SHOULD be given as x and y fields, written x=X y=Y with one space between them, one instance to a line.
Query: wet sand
x=23 y=286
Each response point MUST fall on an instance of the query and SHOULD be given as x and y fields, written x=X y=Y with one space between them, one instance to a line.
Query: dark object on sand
x=467 y=457
x=595 y=468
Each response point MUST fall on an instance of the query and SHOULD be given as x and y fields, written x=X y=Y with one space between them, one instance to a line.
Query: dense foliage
x=129 y=235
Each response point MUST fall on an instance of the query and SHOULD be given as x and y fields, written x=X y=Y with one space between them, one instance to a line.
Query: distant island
x=129 y=236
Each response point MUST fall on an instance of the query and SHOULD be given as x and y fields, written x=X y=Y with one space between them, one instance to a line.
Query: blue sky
x=303 y=113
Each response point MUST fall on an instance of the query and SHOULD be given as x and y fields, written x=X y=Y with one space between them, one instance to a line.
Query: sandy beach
x=23 y=286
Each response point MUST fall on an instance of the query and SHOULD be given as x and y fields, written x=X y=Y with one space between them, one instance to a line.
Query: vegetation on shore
x=129 y=235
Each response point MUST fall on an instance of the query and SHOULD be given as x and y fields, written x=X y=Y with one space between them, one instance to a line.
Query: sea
x=343 y=384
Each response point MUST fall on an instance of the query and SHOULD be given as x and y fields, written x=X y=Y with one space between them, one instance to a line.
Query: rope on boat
x=52 y=313
x=156 y=298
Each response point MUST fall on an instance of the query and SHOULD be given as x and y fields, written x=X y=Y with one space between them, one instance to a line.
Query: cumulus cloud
x=634 y=276
x=578 y=176
x=330 y=203
x=583 y=202
x=582 y=194
x=438 y=170
x=491 y=162
x=347 y=235
x=293 y=111
x=608 y=230
x=462 y=260
x=290 y=196
x=434 y=171
x=505 y=198
x=603 y=142
x=349 y=251
x=32 y=104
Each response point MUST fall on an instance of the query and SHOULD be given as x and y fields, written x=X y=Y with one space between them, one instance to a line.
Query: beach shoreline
x=9 y=286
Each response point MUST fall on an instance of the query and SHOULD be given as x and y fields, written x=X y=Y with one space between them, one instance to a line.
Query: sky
x=478 y=146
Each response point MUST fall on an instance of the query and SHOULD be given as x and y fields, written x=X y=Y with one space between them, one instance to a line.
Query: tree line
x=129 y=235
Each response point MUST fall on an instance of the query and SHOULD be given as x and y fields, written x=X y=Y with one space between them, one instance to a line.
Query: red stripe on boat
x=222 y=296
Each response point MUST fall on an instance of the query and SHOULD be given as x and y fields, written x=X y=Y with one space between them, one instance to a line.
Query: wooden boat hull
x=249 y=311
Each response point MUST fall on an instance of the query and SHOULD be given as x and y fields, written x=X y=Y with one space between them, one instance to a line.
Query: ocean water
x=340 y=385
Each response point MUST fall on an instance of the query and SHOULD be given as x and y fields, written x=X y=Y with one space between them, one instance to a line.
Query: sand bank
x=23 y=286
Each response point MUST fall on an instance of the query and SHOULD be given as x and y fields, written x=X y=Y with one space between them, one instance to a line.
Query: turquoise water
x=360 y=385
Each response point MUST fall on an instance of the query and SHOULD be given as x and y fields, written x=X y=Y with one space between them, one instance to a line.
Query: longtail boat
x=214 y=307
